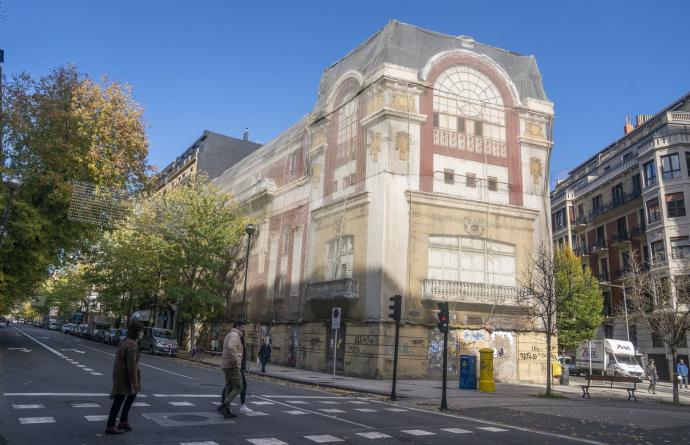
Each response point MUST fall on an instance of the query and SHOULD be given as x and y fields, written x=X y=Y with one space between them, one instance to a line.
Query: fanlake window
x=472 y=260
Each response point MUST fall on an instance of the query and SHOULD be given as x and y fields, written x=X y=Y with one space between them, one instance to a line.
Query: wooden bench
x=621 y=383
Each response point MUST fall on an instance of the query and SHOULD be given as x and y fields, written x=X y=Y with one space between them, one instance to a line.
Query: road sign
x=335 y=318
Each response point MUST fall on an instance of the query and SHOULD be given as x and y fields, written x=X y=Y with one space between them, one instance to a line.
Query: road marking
x=98 y=418
x=186 y=395
x=297 y=402
x=256 y=413
x=455 y=430
x=59 y=354
x=365 y=410
x=28 y=420
x=418 y=432
x=262 y=403
x=295 y=412
x=373 y=435
x=57 y=394
x=332 y=411
x=328 y=402
x=325 y=438
x=208 y=442
x=144 y=364
x=88 y=369
x=358 y=402
x=19 y=349
x=28 y=406
x=504 y=425
x=269 y=441
x=361 y=425
x=81 y=366
x=86 y=405
x=396 y=410
x=96 y=373
x=302 y=397
x=181 y=404
x=75 y=350
x=491 y=428
x=140 y=404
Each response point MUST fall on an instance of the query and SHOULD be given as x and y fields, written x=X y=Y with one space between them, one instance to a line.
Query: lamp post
x=250 y=229
x=625 y=305
x=12 y=186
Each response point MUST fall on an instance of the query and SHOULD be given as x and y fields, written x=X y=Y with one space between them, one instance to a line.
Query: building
x=630 y=197
x=421 y=171
x=211 y=154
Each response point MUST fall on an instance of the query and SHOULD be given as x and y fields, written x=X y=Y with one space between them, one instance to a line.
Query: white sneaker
x=244 y=409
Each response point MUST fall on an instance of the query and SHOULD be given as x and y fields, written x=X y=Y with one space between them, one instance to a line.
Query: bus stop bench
x=600 y=381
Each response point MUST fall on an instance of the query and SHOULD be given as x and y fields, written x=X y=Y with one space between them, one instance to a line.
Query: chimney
x=246 y=134
x=628 y=126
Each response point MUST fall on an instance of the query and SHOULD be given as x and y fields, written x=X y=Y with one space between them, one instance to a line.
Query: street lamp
x=625 y=304
x=250 y=229
x=12 y=186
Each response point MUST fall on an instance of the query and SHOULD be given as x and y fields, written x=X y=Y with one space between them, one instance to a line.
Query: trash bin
x=468 y=372
x=565 y=376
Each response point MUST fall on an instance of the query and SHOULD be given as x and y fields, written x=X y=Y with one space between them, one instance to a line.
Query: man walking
x=682 y=371
x=244 y=409
x=265 y=353
x=231 y=361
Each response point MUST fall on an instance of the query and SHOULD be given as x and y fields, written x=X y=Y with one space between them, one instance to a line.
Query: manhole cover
x=187 y=418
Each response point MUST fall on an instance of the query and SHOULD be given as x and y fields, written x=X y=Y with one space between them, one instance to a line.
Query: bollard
x=486 y=370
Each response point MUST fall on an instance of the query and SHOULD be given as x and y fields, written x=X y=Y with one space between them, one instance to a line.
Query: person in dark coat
x=126 y=379
x=265 y=354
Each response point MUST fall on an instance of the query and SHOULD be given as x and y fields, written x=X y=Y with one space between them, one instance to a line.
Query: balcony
x=580 y=222
x=604 y=277
x=638 y=232
x=464 y=292
x=346 y=288
x=581 y=252
x=614 y=204
x=621 y=239
x=599 y=247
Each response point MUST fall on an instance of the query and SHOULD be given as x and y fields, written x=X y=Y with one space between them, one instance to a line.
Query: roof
x=412 y=47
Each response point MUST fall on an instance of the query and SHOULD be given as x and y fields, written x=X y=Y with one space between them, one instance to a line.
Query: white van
x=610 y=357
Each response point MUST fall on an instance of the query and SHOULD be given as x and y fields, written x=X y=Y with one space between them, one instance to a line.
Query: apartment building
x=630 y=197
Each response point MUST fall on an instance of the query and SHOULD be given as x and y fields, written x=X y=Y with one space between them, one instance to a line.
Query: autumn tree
x=61 y=128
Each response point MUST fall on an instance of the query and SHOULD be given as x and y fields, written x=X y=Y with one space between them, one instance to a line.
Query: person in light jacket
x=126 y=379
x=231 y=362
x=682 y=371
x=653 y=376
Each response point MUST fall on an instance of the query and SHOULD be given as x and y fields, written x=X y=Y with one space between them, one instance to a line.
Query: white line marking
x=396 y=410
x=361 y=425
x=373 y=435
x=302 y=397
x=491 y=428
x=365 y=410
x=418 y=432
x=456 y=430
x=297 y=402
x=88 y=369
x=98 y=418
x=269 y=441
x=256 y=413
x=86 y=405
x=332 y=411
x=357 y=402
x=325 y=438
x=143 y=364
x=295 y=412
x=262 y=403
x=57 y=394
x=140 y=404
x=207 y=442
x=96 y=373
x=181 y=404
x=28 y=406
x=186 y=395
x=59 y=354
x=28 y=420
x=328 y=402
x=81 y=366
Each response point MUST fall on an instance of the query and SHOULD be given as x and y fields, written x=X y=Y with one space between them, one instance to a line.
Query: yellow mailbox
x=486 y=370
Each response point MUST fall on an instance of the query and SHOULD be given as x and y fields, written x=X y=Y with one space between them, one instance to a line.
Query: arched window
x=468 y=112
x=347 y=131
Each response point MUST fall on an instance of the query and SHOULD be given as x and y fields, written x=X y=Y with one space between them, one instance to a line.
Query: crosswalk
x=49 y=411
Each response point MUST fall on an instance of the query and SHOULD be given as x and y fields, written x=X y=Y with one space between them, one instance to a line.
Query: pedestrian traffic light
x=395 y=308
x=443 y=317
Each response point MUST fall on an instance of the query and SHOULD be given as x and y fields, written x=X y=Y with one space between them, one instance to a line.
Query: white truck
x=609 y=357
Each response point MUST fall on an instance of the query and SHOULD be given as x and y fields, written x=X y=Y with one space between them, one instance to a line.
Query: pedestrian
x=126 y=379
x=231 y=362
x=265 y=353
x=653 y=376
x=244 y=409
x=682 y=371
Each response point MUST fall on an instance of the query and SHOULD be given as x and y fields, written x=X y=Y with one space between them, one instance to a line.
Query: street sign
x=335 y=318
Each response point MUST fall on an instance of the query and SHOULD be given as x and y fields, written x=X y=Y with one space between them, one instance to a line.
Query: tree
x=68 y=290
x=61 y=128
x=660 y=299
x=581 y=301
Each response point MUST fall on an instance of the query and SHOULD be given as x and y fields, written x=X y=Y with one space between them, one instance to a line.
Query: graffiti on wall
x=435 y=354
x=505 y=352
x=293 y=346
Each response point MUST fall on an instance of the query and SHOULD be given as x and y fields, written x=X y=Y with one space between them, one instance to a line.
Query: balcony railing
x=638 y=231
x=599 y=247
x=464 y=292
x=621 y=238
x=604 y=277
x=333 y=289
x=580 y=222
x=581 y=251
x=615 y=203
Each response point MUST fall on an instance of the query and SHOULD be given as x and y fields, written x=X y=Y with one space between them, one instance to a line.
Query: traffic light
x=395 y=308
x=443 y=317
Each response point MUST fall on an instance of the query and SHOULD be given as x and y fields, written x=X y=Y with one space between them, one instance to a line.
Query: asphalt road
x=54 y=389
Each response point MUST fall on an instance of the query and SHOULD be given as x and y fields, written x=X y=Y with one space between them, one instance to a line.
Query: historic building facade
x=421 y=171
x=630 y=197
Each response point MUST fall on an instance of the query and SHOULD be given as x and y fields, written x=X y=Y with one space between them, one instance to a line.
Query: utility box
x=468 y=372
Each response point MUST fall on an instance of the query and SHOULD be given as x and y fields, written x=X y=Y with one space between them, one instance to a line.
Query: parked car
x=53 y=326
x=116 y=335
x=159 y=341
x=67 y=328
x=568 y=362
x=98 y=335
x=20 y=321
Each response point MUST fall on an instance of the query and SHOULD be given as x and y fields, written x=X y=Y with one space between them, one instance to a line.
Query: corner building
x=630 y=198
x=421 y=171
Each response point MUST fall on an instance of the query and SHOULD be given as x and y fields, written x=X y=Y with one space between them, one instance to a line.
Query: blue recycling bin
x=468 y=372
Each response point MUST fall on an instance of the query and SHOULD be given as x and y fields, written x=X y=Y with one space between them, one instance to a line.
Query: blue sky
x=223 y=65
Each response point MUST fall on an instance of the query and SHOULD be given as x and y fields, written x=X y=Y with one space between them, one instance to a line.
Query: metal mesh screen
x=99 y=205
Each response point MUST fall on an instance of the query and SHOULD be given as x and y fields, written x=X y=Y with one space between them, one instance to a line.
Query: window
x=581 y=211
x=670 y=166
x=608 y=333
x=649 y=173
x=449 y=176
x=653 y=211
x=687 y=162
x=604 y=269
x=597 y=204
x=471 y=180
x=658 y=252
x=622 y=228
x=339 y=257
x=601 y=236
x=608 y=306
x=625 y=261
x=636 y=185
x=680 y=247
x=347 y=132
x=675 y=204
x=657 y=340
x=292 y=162
x=632 y=334
x=617 y=194
x=286 y=239
x=468 y=112
x=493 y=183
x=472 y=260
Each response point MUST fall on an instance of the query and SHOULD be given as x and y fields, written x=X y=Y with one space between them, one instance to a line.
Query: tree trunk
x=548 y=358
x=674 y=376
